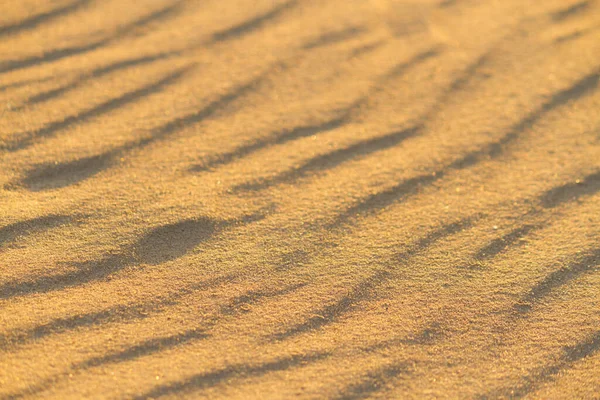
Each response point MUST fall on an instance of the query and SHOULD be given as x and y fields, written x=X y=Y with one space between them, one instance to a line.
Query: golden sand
x=271 y=199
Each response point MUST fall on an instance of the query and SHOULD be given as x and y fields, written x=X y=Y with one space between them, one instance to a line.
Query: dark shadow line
x=161 y=244
x=378 y=201
x=51 y=56
x=532 y=382
x=463 y=79
x=571 y=36
x=327 y=161
x=147 y=347
x=588 y=186
x=12 y=232
x=570 y=11
x=582 y=87
x=377 y=380
x=52 y=128
x=572 y=354
x=332 y=312
x=131 y=62
x=412 y=186
x=276 y=139
x=432 y=333
x=436 y=235
x=161 y=15
x=239 y=304
x=500 y=245
x=96 y=73
x=254 y=23
x=400 y=192
x=401 y=68
x=366 y=48
x=372 y=382
x=85 y=273
x=458 y=83
x=198 y=116
x=25 y=82
x=116 y=314
x=42 y=18
x=61 y=325
x=57 y=54
x=557 y=279
x=291 y=259
x=363 y=290
x=238 y=371
x=447 y=3
x=583 y=349
x=50 y=175
x=392 y=74
x=330 y=38
x=552 y=198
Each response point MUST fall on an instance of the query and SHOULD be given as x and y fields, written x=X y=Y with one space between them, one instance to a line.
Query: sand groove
x=34 y=21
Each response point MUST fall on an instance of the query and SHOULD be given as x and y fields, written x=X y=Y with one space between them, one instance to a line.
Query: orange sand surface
x=272 y=199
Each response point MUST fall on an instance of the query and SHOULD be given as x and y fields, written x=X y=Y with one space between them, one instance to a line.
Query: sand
x=300 y=198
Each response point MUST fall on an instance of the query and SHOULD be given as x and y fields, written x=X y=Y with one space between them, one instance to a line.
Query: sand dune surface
x=278 y=199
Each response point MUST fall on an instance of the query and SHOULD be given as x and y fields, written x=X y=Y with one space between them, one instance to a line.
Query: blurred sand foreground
x=266 y=199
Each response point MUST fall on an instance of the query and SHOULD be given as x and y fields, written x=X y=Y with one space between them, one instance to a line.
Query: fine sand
x=265 y=199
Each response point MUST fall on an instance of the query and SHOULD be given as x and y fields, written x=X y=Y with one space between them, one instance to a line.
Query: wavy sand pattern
x=300 y=198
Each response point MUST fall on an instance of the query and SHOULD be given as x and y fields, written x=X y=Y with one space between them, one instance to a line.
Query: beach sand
x=272 y=199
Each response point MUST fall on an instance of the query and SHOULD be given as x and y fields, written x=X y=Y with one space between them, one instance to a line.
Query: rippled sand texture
x=338 y=199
